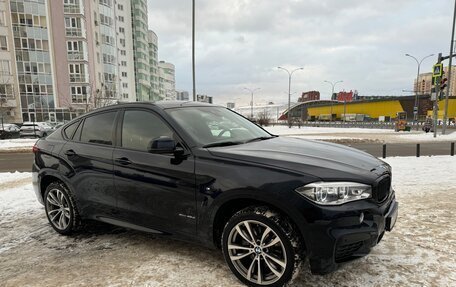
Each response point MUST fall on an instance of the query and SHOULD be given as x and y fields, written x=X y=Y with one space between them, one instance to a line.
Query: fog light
x=361 y=217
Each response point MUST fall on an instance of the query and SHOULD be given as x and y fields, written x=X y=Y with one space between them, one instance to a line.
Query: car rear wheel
x=61 y=209
x=261 y=247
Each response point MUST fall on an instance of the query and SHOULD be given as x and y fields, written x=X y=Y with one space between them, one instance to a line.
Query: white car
x=36 y=129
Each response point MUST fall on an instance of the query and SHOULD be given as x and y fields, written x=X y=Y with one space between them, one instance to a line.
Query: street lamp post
x=332 y=93
x=193 y=51
x=289 y=91
x=251 y=101
x=417 y=102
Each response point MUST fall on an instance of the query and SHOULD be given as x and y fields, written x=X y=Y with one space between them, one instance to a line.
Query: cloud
x=241 y=42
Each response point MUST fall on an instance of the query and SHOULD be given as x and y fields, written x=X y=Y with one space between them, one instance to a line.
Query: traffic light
x=443 y=84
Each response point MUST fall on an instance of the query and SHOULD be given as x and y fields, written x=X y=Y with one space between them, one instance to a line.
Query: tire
x=276 y=252
x=61 y=209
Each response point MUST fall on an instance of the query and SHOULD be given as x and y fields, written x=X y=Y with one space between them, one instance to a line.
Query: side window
x=69 y=130
x=141 y=127
x=99 y=128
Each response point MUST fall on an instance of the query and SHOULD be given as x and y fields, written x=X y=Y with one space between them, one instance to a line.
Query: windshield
x=216 y=126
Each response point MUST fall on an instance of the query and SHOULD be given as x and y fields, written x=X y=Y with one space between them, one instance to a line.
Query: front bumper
x=348 y=234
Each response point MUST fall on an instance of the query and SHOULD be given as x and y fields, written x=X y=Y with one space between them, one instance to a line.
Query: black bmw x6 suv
x=203 y=173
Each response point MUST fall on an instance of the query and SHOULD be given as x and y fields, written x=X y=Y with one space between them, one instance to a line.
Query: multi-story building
x=425 y=82
x=231 y=105
x=204 y=99
x=9 y=89
x=60 y=59
x=309 y=96
x=167 y=82
x=182 y=96
x=125 y=55
x=153 y=63
x=141 y=49
x=34 y=59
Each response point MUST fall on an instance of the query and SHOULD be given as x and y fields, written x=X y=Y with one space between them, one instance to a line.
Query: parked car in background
x=36 y=129
x=9 y=131
x=204 y=173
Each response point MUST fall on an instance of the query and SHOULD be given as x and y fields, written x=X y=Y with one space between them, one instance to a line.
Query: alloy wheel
x=257 y=252
x=58 y=209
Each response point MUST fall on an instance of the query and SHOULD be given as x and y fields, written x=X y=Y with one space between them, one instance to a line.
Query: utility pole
x=251 y=101
x=436 y=100
x=193 y=50
x=289 y=92
x=448 y=89
x=332 y=93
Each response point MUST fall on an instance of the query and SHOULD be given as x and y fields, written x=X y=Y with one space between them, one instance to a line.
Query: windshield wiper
x=227 y=143
x=259 y=139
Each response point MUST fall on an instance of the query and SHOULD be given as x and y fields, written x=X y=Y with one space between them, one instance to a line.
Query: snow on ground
x=357 y=134
x=420 y=251
x=17 y=145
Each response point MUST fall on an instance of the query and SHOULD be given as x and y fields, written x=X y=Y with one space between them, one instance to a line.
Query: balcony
x=78 y=78
x=76 y=56
x=74 y=32
x=73 y=9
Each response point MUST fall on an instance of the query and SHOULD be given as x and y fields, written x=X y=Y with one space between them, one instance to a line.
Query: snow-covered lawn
x=421 y=250
x=17 y=145
x=369 y=135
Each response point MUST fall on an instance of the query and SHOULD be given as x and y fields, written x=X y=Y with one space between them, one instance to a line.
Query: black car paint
x=182 y=196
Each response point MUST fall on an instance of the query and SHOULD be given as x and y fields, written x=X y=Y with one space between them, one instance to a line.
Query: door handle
x=70 y=152
x=123 y=161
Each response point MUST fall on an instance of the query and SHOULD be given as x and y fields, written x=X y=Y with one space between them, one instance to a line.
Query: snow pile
x=286 y=131
x=17 y=145
x=420 y=251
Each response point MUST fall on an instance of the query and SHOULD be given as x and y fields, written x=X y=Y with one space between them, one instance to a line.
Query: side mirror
x=162 y=145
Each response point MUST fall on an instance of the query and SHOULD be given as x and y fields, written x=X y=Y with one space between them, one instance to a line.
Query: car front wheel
x=261 y=247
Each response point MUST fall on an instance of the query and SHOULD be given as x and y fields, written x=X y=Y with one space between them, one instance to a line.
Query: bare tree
x=264 y=118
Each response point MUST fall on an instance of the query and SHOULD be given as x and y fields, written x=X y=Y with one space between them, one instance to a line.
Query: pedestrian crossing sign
x=437 y=70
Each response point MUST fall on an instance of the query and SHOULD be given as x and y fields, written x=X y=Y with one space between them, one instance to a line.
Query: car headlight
x=335 y=193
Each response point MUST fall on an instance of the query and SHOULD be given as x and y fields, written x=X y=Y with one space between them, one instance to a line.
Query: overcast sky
x=240 y=43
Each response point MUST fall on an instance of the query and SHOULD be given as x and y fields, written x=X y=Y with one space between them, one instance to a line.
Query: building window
x=123 y=52
x=121 y=29
x=3 y=43
x=121 y=19
x=120 y=7
x=5 y=67
x=124 y=63
x=125 y=85
x=106 y=20
x=77 y=73
x=122 y=42
x=6 y=91
x=73 y=27
x=124 y=74
x=79 y=95
x=106 y=2
x=2 y=18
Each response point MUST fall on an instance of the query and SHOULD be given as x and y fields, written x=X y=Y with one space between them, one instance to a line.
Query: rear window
x=69 y=130
x=99 y=128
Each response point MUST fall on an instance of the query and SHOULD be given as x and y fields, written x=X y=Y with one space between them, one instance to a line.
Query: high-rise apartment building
x=182 y=96
x=425 y=82
x=141 y=49
x=153 y=63
x=59 y=59
x=9 y=96
x=167 y=82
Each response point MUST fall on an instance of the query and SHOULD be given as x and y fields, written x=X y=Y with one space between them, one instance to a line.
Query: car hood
x=326 y=161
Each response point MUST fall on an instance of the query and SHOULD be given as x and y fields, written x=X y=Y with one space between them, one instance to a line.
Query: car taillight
x=35 y=149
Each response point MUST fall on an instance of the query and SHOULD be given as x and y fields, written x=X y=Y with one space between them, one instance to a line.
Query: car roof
x=159 y=104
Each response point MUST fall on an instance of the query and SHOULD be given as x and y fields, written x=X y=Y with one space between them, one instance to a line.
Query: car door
x=156 y=191
x=89 y=164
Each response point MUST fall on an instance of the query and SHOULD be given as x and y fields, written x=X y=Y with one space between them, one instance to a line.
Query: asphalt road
x=10 y=162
